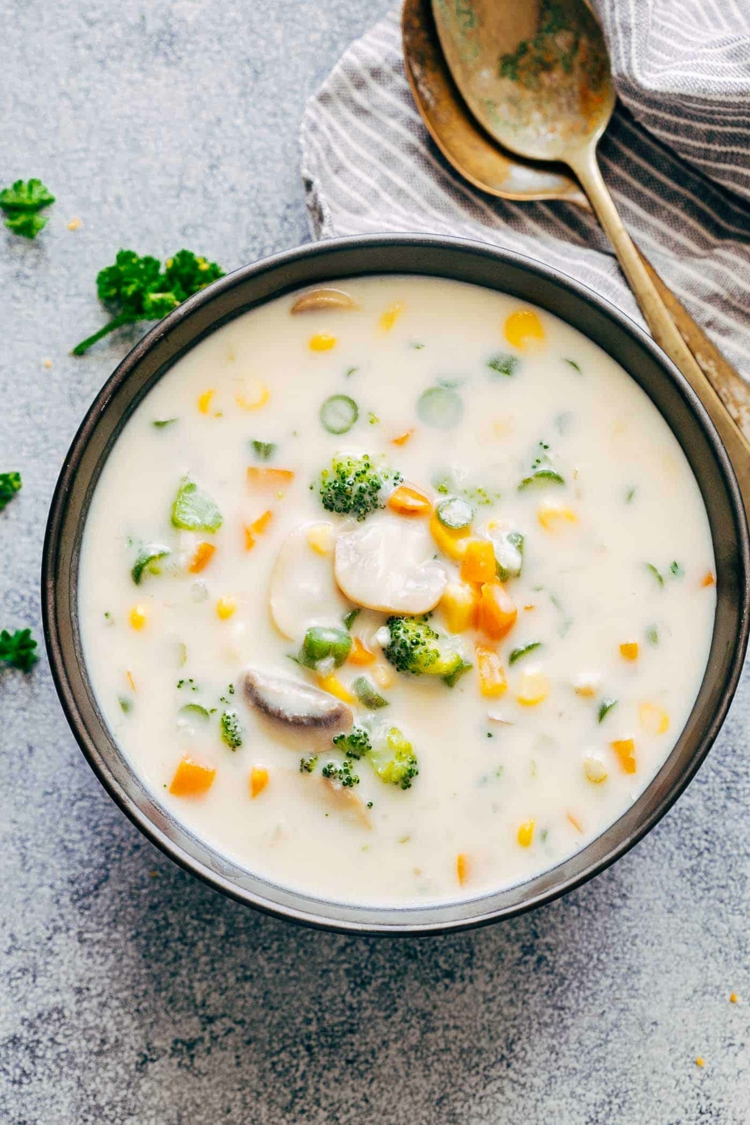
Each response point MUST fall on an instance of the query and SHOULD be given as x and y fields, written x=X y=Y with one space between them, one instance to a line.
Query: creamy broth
x=584 y=667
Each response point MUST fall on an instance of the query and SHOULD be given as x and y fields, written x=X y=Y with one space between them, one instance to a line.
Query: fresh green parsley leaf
x=605 y=707
x=162 y=423
x=677 y=570
x=18 y=649
x=21 y=204
x=10 y=484
x=263 y=450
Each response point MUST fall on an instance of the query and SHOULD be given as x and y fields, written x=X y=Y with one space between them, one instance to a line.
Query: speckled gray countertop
x=130 y=993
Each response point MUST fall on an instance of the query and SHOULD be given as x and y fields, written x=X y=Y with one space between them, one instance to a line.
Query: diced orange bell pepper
x=708 y=579
x=492 y=681
x=269 y=478
x=497 y=613
x=360 y=653
x=624 y=748
x=191 y=778
x=402 y=438
x=409 y=501
x=629 y=649
x=258 y=780
x=202 y=557
x=478 y=563
x=256 y=528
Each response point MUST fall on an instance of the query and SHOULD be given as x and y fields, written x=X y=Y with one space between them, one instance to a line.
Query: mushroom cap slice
x=295 y=704
x=303 y=591
x=388 y=564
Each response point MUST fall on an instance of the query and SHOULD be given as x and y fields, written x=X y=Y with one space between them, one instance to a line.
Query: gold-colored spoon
x=489 y=38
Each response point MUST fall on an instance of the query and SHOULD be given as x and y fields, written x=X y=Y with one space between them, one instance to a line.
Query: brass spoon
x=474 y=37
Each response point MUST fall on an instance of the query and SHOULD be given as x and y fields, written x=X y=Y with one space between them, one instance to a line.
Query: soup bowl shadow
x=459 y=260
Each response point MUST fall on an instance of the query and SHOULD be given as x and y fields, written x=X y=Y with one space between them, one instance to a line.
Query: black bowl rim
x=66 y=480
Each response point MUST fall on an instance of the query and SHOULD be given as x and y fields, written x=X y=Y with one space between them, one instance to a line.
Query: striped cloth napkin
x=676 y=158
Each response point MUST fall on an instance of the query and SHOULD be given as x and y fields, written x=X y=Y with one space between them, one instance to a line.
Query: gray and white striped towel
x=676 y=159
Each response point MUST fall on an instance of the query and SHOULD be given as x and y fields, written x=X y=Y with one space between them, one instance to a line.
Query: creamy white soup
x=396 y=590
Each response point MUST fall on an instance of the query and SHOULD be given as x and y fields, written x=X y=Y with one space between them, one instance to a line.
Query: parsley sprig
x=21 y=205
x=18 y=649
x=10 y=484
x=136 y=288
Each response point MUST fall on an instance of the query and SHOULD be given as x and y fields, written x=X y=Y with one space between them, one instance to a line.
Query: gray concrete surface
x=130 y=993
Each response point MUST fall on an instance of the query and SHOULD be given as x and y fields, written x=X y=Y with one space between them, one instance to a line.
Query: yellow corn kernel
x=138 y=616
x=522 y=328
x=594 y=769
x=322 y=342
x=462 y=868
x=459 y=604
x=451 y=541
x=320 y=538
x=492 y=681
x=587 y=684
x=225 y=607
x=553 y=516
x=653 y=719
x=525 y=833
x=204 y=401
x=252 y=395
x=629 y=650
x=382 y=675
x=391 y=315
x=334 y=686
x=624 y=748
x=534 y=689
x=258 y=780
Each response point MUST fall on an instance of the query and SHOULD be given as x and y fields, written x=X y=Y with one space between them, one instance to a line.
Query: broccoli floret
x=307 y=765
x=394 y=761
x=340 y=773
x=352 y=486
x=417 y=649
x=231 y=729
x=355 y=744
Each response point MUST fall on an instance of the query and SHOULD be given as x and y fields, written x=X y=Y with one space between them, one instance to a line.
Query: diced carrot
x=191 y=778
x=462 y=867
x=202 y=557
x=497 y=613
x=360 y=653
x=575 y=822
x=269 y=478
x=478 y=563
x=709 y=579
x=629 y=649
x=522 y=327
x=204 y=401
x=258 y=780
x=624 y=748
x=492 y=681
x=402 y=438
x=459 y=603
x=256 y=528
x=334 y=686
x=451 y=541
x=409 y=501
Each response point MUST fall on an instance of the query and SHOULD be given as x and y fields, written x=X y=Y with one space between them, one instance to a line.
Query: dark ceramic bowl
x=464 y=261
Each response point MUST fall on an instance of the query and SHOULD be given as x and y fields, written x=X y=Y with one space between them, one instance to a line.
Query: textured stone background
x=130 y=992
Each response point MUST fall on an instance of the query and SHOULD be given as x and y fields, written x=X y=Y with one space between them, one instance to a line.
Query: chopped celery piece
x=508 y=553
x=542 y=470
x=195 y=711
x=263 y=450
x=147 y=560
x=455 y=512
x=193 y=510
x=162 y=423
x=523 y=650
x=440 y=407
x=504 y=364
x=365 y=691
x=339 y=413
x=322 y=642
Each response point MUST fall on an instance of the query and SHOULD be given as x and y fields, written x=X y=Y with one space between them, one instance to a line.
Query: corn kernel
x=492 y=681
x=462 y=868
x=333 y=685
x=553 y=516
x=653 y=720
x=594 y=769
x=534 y=689
x=225 y=607
x=391 y=315
x=204 y=401
x=253 y=395
x=522 y=328
x=629 y=650
x=322 y=342
x=525 y=834
x=320 y=538
x=587 y=684
x=258 y=780
x=459 y=605
x=382 y=676
x=451 y=541
x=624 y=748
x=138 y=616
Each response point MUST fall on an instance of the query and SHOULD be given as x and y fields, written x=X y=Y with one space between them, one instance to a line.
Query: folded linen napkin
x=676 y=158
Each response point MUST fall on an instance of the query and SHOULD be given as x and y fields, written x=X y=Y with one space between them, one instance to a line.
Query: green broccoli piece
x=416 y=649
x=394 y=761
x=355 y=744
x=18 y=649
x=307 y=765
x=10 y=484
x=342 y=774
x=352 y=486
x=136 y=288
x=21 y=205
x=231 y=729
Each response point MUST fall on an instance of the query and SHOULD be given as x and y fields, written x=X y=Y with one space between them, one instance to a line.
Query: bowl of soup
x=396 y=584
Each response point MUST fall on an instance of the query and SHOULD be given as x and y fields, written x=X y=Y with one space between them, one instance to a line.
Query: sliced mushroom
x=388 y=564
x=295 y=704
x=303 y=591
x=316 y=299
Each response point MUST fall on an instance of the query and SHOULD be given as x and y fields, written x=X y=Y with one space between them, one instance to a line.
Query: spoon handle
x=663 y=328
